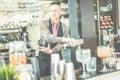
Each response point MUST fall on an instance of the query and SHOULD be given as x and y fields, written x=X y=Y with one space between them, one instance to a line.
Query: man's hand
x=46 y=49
x=71 y=42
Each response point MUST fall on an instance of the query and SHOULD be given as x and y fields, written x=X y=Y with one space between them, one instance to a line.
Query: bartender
x=54 y=32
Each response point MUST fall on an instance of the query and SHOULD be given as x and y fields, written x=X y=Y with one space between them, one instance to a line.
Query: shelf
x=9 y=31
x=105 y=19
x=2 y=46
x=107 y=27
x=12 y=10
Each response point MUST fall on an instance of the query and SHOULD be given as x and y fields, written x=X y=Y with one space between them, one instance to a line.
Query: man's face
x=55 y=12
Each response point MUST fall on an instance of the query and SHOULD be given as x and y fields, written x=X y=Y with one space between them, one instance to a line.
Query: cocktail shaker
x=35 y=65
x=69 y=72
x=55 y=58
x=62 y=68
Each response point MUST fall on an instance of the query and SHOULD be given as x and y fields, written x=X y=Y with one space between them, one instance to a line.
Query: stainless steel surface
x=69 y=71
x=35 y=66
x=55 y=58
x=61 y=68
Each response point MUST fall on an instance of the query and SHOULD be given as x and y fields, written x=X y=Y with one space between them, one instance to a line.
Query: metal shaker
x=55 y=58
x=62 y=68
x=69 y=72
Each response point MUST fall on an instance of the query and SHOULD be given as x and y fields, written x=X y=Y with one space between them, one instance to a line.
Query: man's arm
x=47 y=36
x=59 y=46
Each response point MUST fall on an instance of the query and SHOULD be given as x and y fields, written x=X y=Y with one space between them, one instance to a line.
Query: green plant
x=6 y=72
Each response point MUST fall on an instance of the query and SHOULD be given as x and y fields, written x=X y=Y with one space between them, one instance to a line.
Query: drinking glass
x=111 y=62
x=91 y=66
x=104 y=52
x=83 y=57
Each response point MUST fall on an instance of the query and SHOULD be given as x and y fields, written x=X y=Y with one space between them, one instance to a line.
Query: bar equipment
x=104 y=52
x=69 y=71
x=41 y=42
x=17 y=53
x=35 y=67
x=61 y=67
x=82 y=56
x=23 y=72
x=91 y=66
x=117 y=66
x=66 y=53
x=9 y=32
x=111 y=62
x=55 y=58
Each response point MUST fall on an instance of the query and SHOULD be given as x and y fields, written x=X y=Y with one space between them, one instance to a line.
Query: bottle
x=41 y=42
x=78 y=53
x=13 y=57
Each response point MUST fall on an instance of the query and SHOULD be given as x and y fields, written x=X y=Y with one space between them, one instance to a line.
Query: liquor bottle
x=41 y=42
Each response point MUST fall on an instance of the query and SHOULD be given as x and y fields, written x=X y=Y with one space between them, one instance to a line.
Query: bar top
x=109 y=76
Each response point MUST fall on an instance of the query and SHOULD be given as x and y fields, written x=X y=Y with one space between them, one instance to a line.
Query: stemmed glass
x=104 y=52
x=111 y=62
x=83 y=56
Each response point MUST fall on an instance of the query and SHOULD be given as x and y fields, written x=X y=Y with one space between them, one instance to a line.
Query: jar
x=23 y=72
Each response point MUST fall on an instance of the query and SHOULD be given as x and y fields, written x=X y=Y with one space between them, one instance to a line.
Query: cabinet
x=105 y=24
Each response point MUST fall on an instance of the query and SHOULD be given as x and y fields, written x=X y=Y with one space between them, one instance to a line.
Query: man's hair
x=57 y=3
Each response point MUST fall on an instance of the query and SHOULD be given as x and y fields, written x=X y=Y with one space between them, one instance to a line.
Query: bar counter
x=108 y=76
x=45 y=78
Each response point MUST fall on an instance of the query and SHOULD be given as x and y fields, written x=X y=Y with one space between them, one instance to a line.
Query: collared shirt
x=55 y=29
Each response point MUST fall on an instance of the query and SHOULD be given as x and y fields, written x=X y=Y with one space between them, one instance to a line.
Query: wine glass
x=111 y=62
x=83 y=56
x=104 y=52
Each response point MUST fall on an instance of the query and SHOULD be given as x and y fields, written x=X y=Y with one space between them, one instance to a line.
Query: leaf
x=6 y=72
